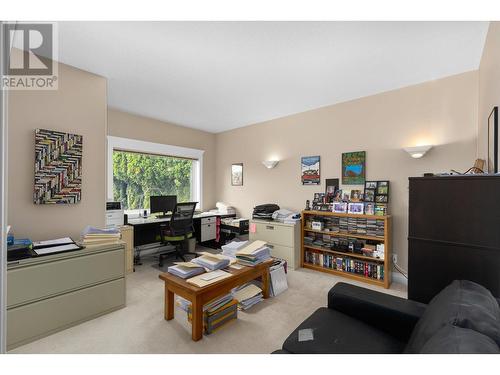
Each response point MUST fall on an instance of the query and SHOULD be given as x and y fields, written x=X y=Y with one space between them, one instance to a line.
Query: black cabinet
x=454 y=233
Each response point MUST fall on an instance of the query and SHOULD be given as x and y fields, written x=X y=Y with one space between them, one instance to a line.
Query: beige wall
x=441 y=112
x=126 y=125
x=489 y=85
x=78 y=106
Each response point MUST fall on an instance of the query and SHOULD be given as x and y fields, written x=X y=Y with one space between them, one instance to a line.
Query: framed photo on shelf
x=339 y=207
x=370 y=208
x=493 y=140
x=356 y=208
x=353 y=168
x=381 y=209
x=381 y=198
x=237 y=174
x=369 y=195
x=382 y=187
x=309 y=167
x=356 y=195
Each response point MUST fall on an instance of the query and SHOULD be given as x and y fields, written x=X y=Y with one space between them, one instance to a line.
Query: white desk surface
x=153 y=219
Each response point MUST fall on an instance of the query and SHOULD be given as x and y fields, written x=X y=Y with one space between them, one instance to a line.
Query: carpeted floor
x=140 y=327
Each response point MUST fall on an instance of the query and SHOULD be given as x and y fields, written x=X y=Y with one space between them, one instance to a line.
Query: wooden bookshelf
x=386 y=240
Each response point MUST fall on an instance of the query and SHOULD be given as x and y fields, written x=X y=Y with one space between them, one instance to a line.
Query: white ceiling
x=217 y=76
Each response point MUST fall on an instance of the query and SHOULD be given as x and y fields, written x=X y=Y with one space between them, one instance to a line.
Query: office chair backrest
x=181 y=221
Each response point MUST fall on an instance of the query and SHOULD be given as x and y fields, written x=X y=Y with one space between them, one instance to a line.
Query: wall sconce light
x=269 y=164
x=418 y=151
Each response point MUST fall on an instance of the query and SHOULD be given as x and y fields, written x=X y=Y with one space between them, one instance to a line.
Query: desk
x=200 y=296
x=147 y=230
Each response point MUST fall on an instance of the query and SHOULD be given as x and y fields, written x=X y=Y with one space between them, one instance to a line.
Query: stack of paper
x=212 y=261
x=247 y=296
x=254 y=253
x=94 y=236
x=208 y=278
x=231 y=248
x=185 y=270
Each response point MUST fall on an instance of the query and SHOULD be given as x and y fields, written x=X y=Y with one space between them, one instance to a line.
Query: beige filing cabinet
x=128 y=237
x=284 y=239
x=50 y=293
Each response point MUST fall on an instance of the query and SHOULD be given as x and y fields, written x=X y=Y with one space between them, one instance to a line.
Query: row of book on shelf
x=367 y=248
x=345 y=264
x=353 y=225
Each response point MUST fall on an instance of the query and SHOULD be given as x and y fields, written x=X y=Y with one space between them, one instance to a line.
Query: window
x=138 y=170
x=137 y=176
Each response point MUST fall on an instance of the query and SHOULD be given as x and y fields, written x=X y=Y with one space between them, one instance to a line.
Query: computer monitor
x=162 y=203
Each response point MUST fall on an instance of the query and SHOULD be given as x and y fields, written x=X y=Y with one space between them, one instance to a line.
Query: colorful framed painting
x=353 y=168
x=58 y=167
x=237 y=174
x=309 y=167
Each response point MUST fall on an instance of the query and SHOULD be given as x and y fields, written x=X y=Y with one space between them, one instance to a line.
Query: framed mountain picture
x=309 y=167
x=58 y=167
x=353 y=168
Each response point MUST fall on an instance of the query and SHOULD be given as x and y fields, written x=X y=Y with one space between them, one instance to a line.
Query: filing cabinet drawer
x=29 y=322
x=287 y=253
x=208 y=220
x=47 y=279
x=208 y=232
x=274 y=233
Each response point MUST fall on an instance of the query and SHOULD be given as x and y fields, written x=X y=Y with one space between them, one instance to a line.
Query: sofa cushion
x=462 y=303
x=456 y=340
x=335 y=332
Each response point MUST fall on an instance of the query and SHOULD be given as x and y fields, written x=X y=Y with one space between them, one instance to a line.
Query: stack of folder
x=212 y=261
x=254 y=253
x=185 y=270
x=247 y=296
x=95 y=236
x=216 y=313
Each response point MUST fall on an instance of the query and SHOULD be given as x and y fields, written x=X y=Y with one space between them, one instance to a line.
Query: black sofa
x=463 y=318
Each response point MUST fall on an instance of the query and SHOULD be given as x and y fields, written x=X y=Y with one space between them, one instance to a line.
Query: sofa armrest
x=394 y=315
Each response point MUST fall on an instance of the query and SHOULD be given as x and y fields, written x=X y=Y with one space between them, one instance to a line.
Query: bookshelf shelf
x=350 y=255
x=350 y=235
x=349 y=275
x=380 y=265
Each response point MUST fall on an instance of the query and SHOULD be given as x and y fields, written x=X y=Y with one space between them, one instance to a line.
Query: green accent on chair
x=177 y=238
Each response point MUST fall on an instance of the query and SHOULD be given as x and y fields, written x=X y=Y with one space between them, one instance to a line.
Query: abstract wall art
x=58 y=167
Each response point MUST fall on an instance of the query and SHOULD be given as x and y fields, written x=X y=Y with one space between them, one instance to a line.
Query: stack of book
x=343 y=225
x=371 y=227
x=247 y=296
x=361 y=226
x=96 y=236
x=254 y=253
x=185 y=270
x=380 y=228
x=212 y=261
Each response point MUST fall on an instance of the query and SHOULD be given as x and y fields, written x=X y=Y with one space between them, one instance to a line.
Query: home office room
x=241 y=187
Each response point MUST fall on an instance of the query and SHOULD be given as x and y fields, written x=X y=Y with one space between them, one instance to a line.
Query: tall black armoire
x=454 y=233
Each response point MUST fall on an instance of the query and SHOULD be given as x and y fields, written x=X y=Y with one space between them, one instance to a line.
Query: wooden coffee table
x=200 y=296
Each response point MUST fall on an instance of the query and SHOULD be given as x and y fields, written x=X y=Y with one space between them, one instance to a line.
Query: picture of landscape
x=353 y=168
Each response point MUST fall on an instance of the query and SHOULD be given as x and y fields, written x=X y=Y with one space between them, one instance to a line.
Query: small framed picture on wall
x=237 y=174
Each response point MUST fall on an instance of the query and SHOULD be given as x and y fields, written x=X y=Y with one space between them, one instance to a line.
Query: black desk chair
x=179 y=230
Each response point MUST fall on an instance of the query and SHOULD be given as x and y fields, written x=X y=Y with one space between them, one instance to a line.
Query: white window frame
x=128 y=144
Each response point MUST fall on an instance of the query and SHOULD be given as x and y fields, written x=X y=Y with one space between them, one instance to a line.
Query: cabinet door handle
x=270 y=227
